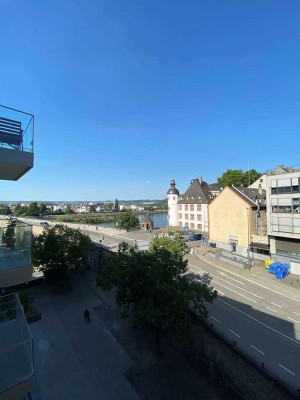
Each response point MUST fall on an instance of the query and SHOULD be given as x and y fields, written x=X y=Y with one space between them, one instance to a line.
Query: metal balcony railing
x=16 y=129
x=16 y=345
x=15 y=244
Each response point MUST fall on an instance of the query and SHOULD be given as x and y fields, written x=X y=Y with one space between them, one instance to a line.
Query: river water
x=160 y=220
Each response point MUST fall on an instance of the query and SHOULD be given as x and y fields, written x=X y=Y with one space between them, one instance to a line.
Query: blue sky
x=128 y=95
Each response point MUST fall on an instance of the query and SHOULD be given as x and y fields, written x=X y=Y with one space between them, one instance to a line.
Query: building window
x=187 y=197
x=200 y=227
x=199 y=217
x=180 y=216
x=199 y=197
x=186 y=207
x=198 y=207
x=180 y=207
x=192 y=207
x=192 y=217
x=180 y=223
x=173 y=197
x=186 y=216
x=192 y=197
x=285 y=189
x=192 y=226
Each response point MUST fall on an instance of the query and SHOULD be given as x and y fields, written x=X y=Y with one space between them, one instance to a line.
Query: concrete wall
x=12 y=277
x=230 y=215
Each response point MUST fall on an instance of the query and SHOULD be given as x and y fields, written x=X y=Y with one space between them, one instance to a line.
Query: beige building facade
x=237 y=221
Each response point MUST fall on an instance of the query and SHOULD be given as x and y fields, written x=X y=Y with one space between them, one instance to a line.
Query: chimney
x=259 y=189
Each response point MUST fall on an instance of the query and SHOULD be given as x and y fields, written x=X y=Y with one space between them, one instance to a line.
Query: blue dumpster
x=273 y=266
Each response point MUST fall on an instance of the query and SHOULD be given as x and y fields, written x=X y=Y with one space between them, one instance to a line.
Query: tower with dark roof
x=173 y=195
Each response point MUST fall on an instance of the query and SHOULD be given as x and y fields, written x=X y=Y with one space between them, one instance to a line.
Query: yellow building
x=237 y=221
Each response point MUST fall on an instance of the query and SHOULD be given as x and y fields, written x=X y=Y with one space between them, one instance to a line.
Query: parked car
x=195 y=236
x=44 y=224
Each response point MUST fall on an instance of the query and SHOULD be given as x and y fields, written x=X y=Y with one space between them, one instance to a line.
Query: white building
x=283 y=216
x=191 y=208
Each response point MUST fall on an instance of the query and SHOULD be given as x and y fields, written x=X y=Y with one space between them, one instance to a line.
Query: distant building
x=283 y=200
x=191 y=208
x=237 y=221
x=146 y=223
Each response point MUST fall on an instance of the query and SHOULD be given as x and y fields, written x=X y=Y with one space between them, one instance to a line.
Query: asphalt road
x=257 y=316
x=258 y=319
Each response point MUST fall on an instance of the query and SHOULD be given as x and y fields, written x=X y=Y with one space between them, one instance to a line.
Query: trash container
x=268 y=262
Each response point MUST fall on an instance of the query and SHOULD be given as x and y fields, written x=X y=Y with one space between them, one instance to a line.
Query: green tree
x=116 y=205
x=152 y=286
x=68 y=209
x=9 y=235
x=33 y=209
x=251 y=176
x=59 y=251
x=42 y=209
x=127 y=220
x=5 y=209
x=20 y=210
x=237 y=177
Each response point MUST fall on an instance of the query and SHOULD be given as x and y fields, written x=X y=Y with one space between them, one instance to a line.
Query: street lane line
x=219 y=291
x=246 y=279
x=291 y=372
x=274 y=304
x=261 y=352
x=268 y=308
x=296 y=313
x=232 y=284
x=259 y=322
x=234 y=333
x=223 y=273
x=231 y=290
x=294 y=320
x=215 y=319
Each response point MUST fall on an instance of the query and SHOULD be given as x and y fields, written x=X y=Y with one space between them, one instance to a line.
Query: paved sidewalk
x=289 y=286
x=106 y=359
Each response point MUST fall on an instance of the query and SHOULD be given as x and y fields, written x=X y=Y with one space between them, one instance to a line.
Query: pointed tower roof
x=173 y=189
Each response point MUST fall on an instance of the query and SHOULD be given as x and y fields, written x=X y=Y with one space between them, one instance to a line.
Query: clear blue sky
x=130 y=94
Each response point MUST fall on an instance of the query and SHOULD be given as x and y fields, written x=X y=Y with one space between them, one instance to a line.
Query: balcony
x=15 y=252
x=16 y=353
x=16 y=143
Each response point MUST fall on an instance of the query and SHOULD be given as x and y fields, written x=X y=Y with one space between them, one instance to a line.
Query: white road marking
x=219 y=292
x=261 y=352
x=296 y=313
x=277 y=305
x=246 y=279
x=215 y=319
x=239 y=294
x=232 y=284
x=223 y=273
x=291 y=372
x=268 y=308
x=294 y=320
x=234 y=333
x=259 y=322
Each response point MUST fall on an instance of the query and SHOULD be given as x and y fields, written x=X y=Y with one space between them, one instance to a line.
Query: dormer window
x=187 y=197
x=192 y=197
x=199 y=197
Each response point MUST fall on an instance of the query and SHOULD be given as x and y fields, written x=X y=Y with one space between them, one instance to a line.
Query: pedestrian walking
x=87 y=315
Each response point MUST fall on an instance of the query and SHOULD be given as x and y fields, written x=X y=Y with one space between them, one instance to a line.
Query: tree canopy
x=152 y=285
x=237 y=177
x=5 y=209
x=127 y=220
x=59 y=251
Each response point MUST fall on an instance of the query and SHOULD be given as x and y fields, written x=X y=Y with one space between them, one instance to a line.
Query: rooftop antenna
x=248 y=174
